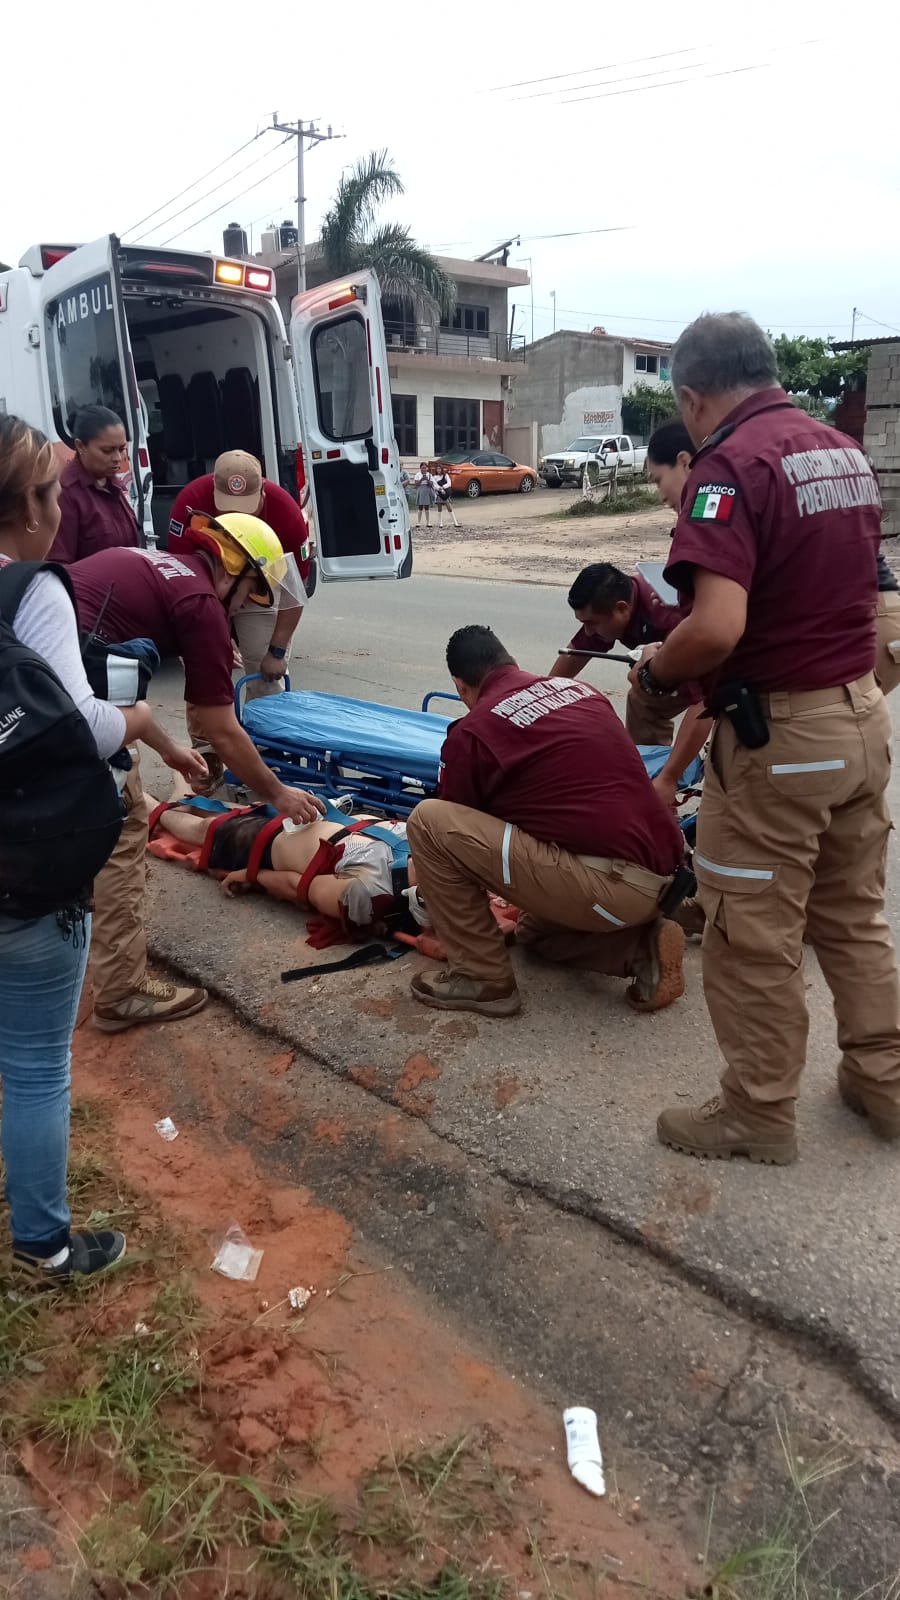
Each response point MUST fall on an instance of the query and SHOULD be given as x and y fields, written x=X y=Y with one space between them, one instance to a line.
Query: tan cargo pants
x=887 y=625
x=650 y=719
x=254 y=628
x=118 y=940
x=792 y=839
x=580 y=909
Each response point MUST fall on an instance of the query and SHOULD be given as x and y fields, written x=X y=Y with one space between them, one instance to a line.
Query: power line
x=583 y=72
x=227 y=204
x=164 y=223
x=673 y=83
x=174 y=197
x=543 y=94
x=888 y=325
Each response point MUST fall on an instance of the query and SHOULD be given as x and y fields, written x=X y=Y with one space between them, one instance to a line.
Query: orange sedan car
x=476 y=472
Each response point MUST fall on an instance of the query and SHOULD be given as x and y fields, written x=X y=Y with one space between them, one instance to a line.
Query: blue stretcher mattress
x=408 y=743
x=379 y=753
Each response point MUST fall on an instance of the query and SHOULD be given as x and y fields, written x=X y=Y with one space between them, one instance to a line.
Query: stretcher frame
x=375 y=782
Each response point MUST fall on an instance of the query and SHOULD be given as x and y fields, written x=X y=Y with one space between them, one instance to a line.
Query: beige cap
x=238 y=482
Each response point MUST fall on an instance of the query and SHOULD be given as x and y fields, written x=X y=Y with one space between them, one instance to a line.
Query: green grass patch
x=627 y=500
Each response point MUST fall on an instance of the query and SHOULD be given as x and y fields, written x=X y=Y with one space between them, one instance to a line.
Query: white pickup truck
x=567 y=466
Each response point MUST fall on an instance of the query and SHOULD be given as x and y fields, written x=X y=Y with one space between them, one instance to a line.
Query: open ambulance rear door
x=352 y=462
x=87 y=351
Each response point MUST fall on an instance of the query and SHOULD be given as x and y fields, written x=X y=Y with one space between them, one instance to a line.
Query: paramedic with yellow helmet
x=184 y=604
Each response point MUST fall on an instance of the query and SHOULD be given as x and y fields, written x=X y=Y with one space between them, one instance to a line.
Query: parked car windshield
x=453 y=458
x=586 y=445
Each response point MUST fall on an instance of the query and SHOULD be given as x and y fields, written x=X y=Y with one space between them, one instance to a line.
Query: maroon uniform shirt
x=651 y=620
x=91 y=518
x=152 y=594
x=550 y=756
x=279 y=509
x=789 y=509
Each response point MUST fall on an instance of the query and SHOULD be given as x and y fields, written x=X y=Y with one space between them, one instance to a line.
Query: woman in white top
x=42 y=961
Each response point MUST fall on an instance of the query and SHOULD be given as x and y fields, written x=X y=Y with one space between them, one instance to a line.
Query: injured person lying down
x=353 y=871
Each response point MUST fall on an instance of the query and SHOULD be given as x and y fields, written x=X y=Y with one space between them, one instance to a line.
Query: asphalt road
x=563 y=1099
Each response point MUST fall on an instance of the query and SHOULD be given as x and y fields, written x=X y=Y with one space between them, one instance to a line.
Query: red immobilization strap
x=267 y=832
x=206 y=852
x=326 y=857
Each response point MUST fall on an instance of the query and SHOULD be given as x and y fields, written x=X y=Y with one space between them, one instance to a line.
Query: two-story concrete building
x=573 y=384
x=449 y=377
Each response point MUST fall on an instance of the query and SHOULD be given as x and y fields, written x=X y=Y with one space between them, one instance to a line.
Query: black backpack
x=60 y=812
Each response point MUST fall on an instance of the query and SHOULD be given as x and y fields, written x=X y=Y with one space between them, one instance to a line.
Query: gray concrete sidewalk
x=563 y=1100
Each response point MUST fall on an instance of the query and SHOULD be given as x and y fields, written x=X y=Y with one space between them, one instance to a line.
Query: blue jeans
x=41 y=974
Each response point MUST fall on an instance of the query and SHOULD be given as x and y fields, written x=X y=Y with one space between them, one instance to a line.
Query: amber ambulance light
x=229 y=272
x=342 y=299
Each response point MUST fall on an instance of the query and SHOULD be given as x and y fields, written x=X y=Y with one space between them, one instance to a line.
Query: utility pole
x=299 y=131
x=853 y=324
x=553 y=298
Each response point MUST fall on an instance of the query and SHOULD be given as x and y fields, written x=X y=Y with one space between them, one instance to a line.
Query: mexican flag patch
x=714 y=503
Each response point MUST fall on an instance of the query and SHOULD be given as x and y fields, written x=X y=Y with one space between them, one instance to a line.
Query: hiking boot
x=83 y=1256
x=691 y=917
x=151 y=1001
x=658 y=969
x=453 y=991
x=884 y=1121
x=712 y=1130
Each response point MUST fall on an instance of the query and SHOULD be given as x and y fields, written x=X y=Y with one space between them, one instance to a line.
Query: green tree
x=645 y=406
x=351 y=239
x=812 y=367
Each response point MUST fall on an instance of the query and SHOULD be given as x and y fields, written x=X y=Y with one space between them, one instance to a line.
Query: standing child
x=425 y=494
x=443 y=489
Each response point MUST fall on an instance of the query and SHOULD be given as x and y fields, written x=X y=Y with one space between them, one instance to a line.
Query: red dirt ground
x=374 y=1370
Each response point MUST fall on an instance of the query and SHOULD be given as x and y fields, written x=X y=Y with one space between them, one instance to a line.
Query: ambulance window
x=83 y=353
x=341 y=367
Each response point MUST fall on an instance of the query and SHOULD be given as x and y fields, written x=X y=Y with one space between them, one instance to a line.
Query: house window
x=457 y=425
x=406 y=432
x=468 y=319
x=645 y=363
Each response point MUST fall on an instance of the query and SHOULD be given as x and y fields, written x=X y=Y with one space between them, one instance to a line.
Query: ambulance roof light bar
x=240 y=275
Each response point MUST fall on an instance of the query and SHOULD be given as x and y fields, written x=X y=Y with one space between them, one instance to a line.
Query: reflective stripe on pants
x=792 y=840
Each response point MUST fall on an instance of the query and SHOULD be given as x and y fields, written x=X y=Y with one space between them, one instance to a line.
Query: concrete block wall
x=881 y=440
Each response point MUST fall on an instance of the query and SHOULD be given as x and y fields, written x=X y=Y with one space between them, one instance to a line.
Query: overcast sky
x=750 y=157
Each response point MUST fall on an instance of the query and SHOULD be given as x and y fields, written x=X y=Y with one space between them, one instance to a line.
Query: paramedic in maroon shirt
x=544 y=800
x=612 y=608
x=183 y=603
x=777 y=545
x=94 y=513
x=236 y=483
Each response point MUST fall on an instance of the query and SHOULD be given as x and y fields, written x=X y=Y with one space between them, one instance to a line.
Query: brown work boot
x=691 y=917
x=658 y=968
x=151 y=1001
x=712 y=1130
x=447 y=990
x=884 y=1120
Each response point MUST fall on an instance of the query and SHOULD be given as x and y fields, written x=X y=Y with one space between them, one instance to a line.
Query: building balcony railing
x=402 y=337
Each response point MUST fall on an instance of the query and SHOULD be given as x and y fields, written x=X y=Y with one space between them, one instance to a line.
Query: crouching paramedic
x=777 y=543
x=612 y=609
x=183 y=604
x=543 y=799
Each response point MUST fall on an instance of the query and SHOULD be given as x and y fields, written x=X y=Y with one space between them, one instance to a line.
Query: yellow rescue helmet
x=245 y=543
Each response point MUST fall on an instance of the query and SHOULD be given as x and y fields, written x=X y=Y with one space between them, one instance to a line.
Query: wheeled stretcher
x=384 y=757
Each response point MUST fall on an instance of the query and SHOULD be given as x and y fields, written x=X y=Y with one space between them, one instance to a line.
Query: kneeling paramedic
x=183 y=604
x=777 y=545
x=544 y=800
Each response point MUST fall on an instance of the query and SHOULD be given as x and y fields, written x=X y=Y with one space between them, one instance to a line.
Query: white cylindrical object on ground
x=583 y=1447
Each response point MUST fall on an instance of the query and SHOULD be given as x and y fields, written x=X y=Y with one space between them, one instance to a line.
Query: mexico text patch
x=714 y=503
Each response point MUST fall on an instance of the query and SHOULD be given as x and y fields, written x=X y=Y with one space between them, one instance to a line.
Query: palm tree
x=351 y=240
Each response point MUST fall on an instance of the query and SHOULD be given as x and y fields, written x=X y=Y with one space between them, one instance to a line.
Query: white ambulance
x=190 y=350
